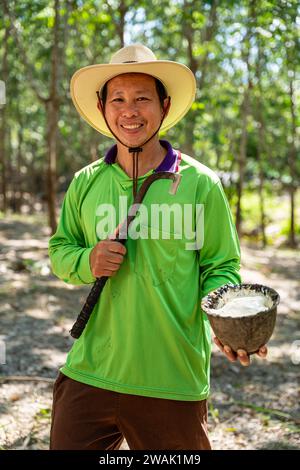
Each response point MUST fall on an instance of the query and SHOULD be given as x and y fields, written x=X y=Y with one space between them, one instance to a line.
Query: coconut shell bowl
x=236 y=329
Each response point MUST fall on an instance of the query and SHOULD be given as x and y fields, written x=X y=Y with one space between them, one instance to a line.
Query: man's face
x=132 y=107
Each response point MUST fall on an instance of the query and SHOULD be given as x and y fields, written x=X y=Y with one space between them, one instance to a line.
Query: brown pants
x=86 y=418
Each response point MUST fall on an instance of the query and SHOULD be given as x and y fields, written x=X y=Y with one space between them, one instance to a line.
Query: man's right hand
x=106 y=258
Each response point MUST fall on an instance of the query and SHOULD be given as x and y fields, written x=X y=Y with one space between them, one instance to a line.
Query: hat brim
x=178 y=80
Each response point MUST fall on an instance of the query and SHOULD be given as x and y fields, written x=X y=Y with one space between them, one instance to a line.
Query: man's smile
x=131 y=128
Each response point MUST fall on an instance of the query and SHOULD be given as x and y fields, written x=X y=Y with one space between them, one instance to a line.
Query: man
x=140 y=370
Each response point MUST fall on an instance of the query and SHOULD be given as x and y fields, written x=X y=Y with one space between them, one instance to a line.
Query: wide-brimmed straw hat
x=178 y=80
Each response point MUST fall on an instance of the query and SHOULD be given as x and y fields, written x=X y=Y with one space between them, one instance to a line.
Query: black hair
x=161 y=91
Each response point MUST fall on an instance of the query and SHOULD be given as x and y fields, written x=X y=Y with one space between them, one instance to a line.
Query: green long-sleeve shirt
x=147 y=334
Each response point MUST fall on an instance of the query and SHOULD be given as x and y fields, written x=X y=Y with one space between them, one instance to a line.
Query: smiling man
x=140 y=370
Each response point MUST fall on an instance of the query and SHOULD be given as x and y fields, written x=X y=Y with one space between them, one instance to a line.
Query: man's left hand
x=241 y=354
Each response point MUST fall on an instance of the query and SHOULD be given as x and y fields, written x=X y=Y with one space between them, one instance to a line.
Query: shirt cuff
x=84 y=269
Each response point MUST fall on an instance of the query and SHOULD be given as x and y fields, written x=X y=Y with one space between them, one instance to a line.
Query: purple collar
x=169 y=163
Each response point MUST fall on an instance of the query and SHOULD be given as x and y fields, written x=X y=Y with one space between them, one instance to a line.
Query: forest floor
x=250 y=408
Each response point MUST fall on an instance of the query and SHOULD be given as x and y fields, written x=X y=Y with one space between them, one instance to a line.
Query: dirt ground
x=249 y=408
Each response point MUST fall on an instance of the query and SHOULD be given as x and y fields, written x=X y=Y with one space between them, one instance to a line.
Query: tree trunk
x=119 y=22
x=261 y=144
x=94 y=146
x=207 y=35
x=292 y=164
x=242 y=160
x=52 y=120
x=195 y=64
x=261 y=197
x=3 y=156
x=245 y=111
x=121 y=26
x=52 y=110
x=19 y=188
x=3 y=161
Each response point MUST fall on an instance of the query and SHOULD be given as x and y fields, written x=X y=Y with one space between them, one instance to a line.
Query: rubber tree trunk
x=3 y=111
x=242 y=160
x=52 y=124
